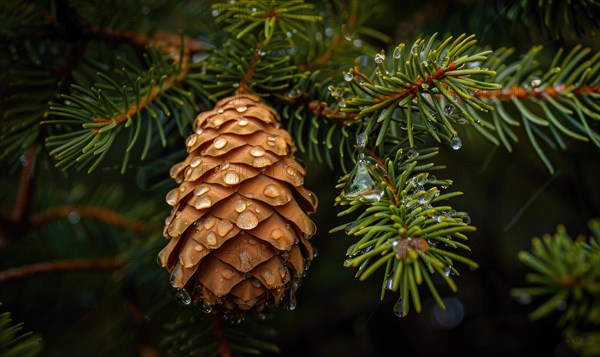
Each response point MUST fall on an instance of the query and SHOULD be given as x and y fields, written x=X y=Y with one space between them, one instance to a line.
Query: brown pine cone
x=239 y=227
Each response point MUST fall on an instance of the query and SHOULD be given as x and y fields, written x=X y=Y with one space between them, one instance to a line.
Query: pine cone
x=239 y=227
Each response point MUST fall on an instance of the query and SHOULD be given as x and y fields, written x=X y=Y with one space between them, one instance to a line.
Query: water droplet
x=200 y=190
x=379 y=58
x=448 y=270
x=247 y=220
x=397 y=53
x=219 y=142
x=431 y=242
x=399 y=308
x=348 y=36
x=240 y=206
x=172 y=197
x=243 y=121
x=448 y=109
x=183 y=297
x=364 y=183
x=215 y=13
x=74 y=217
x=455 y=142
x=342 y=103
x=227 y=274
x=206 y=307
x=257 y=151
x=174 y=169
x=211 y=238
x=524 y=299
x=462 y=121
x=241 y=108
x=198 y=247
x=536 y=82
x=348 y=76
x=291 y=304
x=271 y=191
x=191 y=140
x=361 y=140
x=231 y=178
x=466 y=219
x=199 y=131
x=220 y=110
x=389 y=284
x=349 y=228
x=203 y=202
x=412 y=153
x=196 y=162
x=268 y=276
x=561 y=305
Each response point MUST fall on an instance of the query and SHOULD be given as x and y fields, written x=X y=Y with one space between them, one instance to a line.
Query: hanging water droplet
x=399 y=308
x=231 y=178
x=379 y=58
x=397 y=53
x=466 y=219
x=349 y=228
x=206 y=307
x=291 y=304
x=348 y=76
x=172 y=197
x=524 y=299
x=183 y=297
x=361 y=140
x=247 y=220
x=389 y=283
x=462 y=121
x=455 y=142
x=364 y=183
x=342 y=103
x=412 y=153
x=448 y=109
x=219 y=142
x=241 y=108
x=448 y=270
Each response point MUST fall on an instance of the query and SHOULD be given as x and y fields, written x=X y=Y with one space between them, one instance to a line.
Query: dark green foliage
x=14 y=343
x=567 y=274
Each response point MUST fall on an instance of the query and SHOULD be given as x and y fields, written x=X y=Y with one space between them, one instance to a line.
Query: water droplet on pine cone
x=219 y=143
x=183 y=297
x=247 y=220
x=231 y=178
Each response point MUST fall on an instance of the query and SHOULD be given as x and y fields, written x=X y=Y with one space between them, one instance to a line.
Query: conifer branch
x=61 y=266
x=102 y=214
x=216 y=326
x=25 y=192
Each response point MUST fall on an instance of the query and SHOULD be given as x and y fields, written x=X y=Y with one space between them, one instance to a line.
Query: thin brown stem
x=523 y=93
x=25 y=193
x=245 y=82
x=61 y=266
x=98 y=213
x=216 y=325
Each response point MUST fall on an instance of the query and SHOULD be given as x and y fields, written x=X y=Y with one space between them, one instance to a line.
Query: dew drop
x=448 y=270
x=389 y=284
x=198 y=247
x=466 y=219
x=241 y=108
x=455 y=142
x=240 y=206
x=348 y=76
x=174 y=169
x=211 y=238
x=247 y=220
x=361 y=140
x=276 y=233
x=399 y=308
x=412 y=153
x=349 y=228
x=199 y=131
x=200 y=190
x=257 y=151
x=448 y=109
x=219 y=143
x=271 y=191
x=206 y=308
x=379 y=58
x=243 y=121
x=227 y=274
x=342 y=103
x=203 y=202
x=462 y=121
x=231 y=178
x=191 y=140
x=196 y=162
x=220 y=110
x=172 y=197
x=183 y=297
x=397 y=53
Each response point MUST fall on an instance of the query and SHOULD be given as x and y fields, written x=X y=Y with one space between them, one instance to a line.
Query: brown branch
x=523 y=93
x=25 y=193
x=245 y=82
x=98 y=213
x=61 y=265
x=216 y=326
